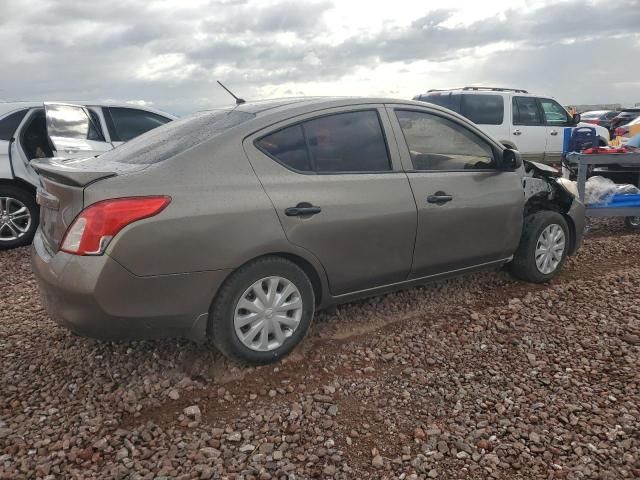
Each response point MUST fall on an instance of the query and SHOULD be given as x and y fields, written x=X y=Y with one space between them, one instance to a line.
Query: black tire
x=27 y=198
x=221 y=324
x=632 y=222
x=524 y=265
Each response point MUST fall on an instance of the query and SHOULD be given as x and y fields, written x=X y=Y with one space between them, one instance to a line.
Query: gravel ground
x=477 y=377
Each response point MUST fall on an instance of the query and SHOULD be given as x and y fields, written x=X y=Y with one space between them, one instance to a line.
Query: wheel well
x=539 y=205
x=306 y=267
x=18 y=182
x=309 y=270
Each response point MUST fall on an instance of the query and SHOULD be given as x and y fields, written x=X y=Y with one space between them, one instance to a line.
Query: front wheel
x=19 y=216
x=262 y=311
x=543 y=247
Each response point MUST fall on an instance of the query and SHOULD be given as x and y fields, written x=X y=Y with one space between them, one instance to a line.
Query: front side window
x=554 y=113
x=342 y=142
x=129 y=123
x=525 y=111
x=436 y=143
x=483 y=109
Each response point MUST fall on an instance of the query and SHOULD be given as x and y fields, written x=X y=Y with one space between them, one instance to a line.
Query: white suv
x=532 y=124
x=31 y=130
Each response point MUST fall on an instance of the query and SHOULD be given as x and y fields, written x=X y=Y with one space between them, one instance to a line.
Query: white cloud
x=171 y=52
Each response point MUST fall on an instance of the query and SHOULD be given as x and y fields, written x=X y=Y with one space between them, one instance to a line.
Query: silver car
x=238 y=224
x=23 y=137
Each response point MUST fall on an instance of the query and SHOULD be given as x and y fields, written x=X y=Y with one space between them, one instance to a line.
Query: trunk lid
x=61 y=191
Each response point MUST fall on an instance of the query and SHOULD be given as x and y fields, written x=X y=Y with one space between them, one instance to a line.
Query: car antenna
x=239 y=101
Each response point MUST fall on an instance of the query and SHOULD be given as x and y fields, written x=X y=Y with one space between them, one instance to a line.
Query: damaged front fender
x=543 y=190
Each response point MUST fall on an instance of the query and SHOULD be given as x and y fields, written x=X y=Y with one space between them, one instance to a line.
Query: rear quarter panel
x=219 y=216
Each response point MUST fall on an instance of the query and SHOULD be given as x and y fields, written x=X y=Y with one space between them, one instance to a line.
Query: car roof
x=6 y=107
x=481 y=91
x=596 y=112
x=288 y=107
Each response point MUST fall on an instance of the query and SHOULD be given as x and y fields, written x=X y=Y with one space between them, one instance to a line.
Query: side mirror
x=511 y=159
x=576 y=119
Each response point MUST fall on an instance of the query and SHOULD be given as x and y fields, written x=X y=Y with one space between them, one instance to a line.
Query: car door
x=126 y=123
x=556 y=119
x=528 y=131
x=73 y=132
x=469 y=211
x=336 y=182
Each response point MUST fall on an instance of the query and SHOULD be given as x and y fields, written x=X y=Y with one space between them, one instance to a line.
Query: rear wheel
x=632 y=222
x=19 y=216
x=262 y=311
x=543 y=247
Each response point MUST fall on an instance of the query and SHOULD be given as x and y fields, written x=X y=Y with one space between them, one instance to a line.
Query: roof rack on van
x=497 y=89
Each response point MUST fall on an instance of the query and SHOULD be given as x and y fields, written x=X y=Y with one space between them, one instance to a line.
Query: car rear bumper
x=577 y=214
x=95 y=296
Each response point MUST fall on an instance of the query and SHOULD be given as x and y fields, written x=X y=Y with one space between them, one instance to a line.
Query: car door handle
x=301 y=210
x=554 y=132
x=517 y=132
x=439 y=198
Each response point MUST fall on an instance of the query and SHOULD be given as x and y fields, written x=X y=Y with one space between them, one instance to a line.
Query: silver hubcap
x=634 y=221
x=15 y=219
x=550 y=248
x=268 y=313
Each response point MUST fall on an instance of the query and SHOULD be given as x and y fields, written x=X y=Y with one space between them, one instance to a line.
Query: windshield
x=175 y=137
x=444 y=99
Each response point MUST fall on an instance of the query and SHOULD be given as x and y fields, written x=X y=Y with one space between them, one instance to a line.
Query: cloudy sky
x=169 y=53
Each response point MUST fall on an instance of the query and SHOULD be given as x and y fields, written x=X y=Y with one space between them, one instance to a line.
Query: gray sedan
x=238 y=224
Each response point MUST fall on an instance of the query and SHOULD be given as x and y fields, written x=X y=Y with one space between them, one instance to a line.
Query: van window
x=483 y=109
x=554 y=113
x=444 y=99
x=526 y=111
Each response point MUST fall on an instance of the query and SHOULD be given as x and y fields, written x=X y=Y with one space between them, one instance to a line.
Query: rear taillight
x=93 y=229
x=593 y=122
x=621 y=132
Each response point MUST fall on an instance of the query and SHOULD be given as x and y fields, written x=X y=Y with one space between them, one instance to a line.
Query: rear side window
x=444 y=99
x=128 y=123
x=343 y=142
x=483 y=109
x=289 y=147
x=436 y=143
x=526 y=111
x=9 y=124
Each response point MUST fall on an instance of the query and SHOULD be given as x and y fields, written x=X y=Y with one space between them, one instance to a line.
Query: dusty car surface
x=238 y=224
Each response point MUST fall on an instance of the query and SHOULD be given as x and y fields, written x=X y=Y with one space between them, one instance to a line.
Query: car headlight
x=569 y=186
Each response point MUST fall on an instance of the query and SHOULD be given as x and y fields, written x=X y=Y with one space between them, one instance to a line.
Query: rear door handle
x=517 y=132
x=439 y=198
x=302 y=209
x=554 y=132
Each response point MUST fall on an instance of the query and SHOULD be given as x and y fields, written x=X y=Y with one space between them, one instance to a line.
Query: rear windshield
x=176 y=137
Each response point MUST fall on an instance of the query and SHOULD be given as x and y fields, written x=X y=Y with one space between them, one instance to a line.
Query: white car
x=531 y=124
x=83 y=130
